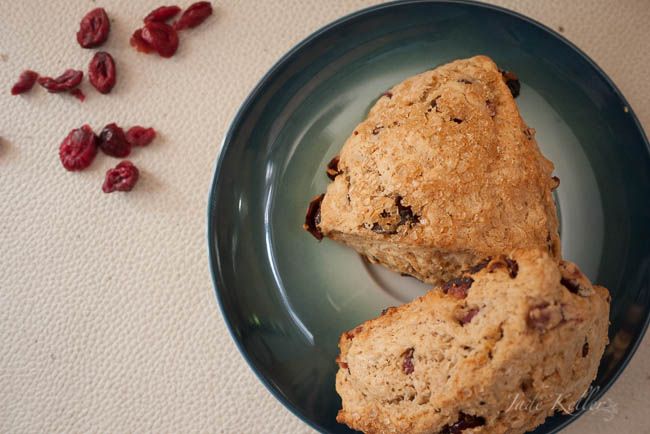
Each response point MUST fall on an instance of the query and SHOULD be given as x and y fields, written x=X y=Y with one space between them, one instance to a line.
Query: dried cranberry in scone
x=94 y=28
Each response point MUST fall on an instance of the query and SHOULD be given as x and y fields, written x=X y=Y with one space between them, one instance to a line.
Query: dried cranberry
x=63 y=83
x=574 y=280
x=585 y=349
x=140 y=136
x=101 y=72
x=502 y=261
x=539 y=316
x=512 y=81
x=571 y=284
x=465 y=421
x=467 y=316
x=513 y=267
x=140 y=44
x=530 y=133
x=478 y=267
x=94 y=28
x=333 y=168
x=492 y=109
x=78 y=149
x=78 y=93
x=544 y=316
x=406 y=214
x=112 y=141
x=458 y=287
x=25 y=82
x=194 y=15
x=556 y=183
x=121 y=178
x=312 y=219
x=407 y=363
x=162 y=37
x=162 y=14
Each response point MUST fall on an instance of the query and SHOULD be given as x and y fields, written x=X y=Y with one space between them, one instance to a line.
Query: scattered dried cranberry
x=140 y=136
x=25 y=82
x=78 y=149
x=78 y=93
x=162 y=14
x=458 y=287
x=162 y=37
x=112 y=141
x=101 y=72
x=407 y=363
x=121 y=178
x=94 y=28
x=312 y=219
x=194 y=15
x=63 y=83
x=140 y=44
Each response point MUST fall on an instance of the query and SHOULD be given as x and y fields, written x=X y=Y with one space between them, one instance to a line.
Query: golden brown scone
x=496 y=351
x=443 y=172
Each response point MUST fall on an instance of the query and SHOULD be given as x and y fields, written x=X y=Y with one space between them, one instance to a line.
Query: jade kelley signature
x=587 y=402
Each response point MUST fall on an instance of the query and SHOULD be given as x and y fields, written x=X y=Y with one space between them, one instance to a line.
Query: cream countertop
x=108 y=322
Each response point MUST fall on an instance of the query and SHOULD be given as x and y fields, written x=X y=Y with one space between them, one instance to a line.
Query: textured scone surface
x=447 y=361
x=445 y=162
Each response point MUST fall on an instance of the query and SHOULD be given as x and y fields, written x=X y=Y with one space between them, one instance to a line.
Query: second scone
x=442 y=172
x=494 y=351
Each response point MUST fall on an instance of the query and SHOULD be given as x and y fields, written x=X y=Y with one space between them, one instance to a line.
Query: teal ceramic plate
x=286 y=298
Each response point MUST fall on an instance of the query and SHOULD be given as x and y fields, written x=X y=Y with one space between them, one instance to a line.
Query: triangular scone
x=498 y=350
x=442 y=173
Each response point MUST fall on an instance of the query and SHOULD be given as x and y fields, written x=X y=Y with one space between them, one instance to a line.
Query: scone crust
x=529 y=338
x=444 y=161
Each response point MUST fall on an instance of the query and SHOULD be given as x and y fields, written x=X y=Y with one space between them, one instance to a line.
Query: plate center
x=402 y=288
